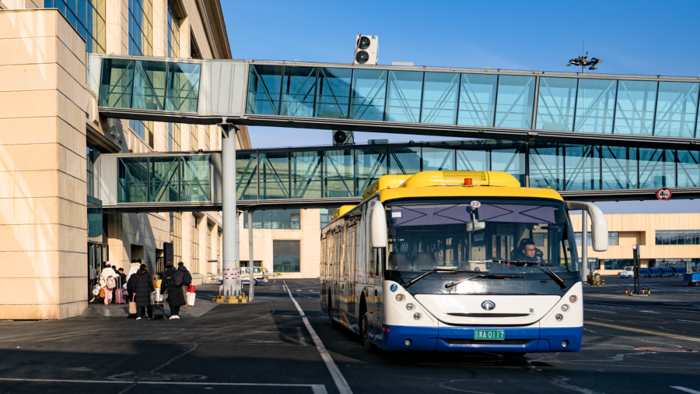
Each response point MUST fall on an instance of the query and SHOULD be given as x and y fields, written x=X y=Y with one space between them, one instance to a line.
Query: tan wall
x=641 y=229
x=43 y=213
x=310 y=246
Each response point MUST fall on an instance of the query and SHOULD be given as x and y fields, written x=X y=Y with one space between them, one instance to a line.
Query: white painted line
x=315 y=388
x=685 y=389
x=338 y=378
x=689 y=321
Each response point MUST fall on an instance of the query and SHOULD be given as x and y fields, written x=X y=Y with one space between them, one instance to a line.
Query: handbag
x=102 y=293
x=132 y=305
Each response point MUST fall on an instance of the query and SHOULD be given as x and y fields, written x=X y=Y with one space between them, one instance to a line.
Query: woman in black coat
x=176 y=298
x=140 y=287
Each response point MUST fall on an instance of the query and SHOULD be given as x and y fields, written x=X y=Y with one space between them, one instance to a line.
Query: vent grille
x=478 y=177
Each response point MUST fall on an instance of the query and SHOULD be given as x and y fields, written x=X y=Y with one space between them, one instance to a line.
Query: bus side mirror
x=378 y=226
x=599 y=226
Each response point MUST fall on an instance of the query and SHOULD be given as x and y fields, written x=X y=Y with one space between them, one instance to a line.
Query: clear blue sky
x=631 y=37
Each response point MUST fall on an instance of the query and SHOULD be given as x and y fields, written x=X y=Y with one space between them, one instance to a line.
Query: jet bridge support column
x=231 y=286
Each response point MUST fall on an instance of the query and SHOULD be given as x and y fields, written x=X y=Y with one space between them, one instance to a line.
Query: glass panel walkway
x=328 y=176
x=619 y=110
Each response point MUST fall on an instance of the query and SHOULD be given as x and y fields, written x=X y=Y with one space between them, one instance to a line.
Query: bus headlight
x=573 y=299
x=399 y=297
x=409 y=306
x=559 y=317
x=564 y=308
x=416 y=316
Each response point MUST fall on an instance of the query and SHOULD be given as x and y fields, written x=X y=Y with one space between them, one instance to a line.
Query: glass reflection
x=264 y=83
x=404 y=161
x=298 y=91
x=516 y=97
x=164 y=179
x=619 y=167
x=133 y=179
x=339 y=173
x=116 y=83
x=582 y=167
x=688 y=164
x=195 y=182
x=371 y=164
x=274 y=175
x=595 y=105
x=247 y=176
x=368 y=94
x=635 y=107
x=547 y=166
x=676 y=107
x=555 y=106
x=656 y=168
x=440 y=98
x=477 y=100
x=183 y=87
x=333 y=97
x=438 y=159
x=306 y=174
x=404 y=102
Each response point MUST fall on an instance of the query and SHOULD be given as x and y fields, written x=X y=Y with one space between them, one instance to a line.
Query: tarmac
x=631 y=345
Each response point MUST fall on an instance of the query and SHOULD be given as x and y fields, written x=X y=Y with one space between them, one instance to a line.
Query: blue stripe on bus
x=438 y=339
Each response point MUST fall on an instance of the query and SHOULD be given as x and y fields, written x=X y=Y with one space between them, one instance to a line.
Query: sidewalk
x=203 y=305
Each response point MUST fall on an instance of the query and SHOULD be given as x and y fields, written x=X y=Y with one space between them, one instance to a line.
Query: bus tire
x=364 y=335
x=331 y=322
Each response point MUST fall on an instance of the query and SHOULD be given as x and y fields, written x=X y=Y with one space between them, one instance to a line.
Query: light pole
x=584 y=61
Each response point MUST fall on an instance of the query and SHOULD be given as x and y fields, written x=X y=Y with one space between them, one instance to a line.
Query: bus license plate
x=489 y=335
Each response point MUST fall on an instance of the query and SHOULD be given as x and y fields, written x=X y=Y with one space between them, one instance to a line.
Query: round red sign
x=663 y=194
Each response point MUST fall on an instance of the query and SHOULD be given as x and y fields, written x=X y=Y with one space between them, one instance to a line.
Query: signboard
x=663 y=194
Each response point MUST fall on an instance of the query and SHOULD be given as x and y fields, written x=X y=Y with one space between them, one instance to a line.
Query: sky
x=631 y=37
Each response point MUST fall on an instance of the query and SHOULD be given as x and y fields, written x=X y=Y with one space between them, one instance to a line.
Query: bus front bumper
x=448 y=338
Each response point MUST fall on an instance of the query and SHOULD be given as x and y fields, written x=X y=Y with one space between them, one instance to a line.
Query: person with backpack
x=187 y=279
x=174 y=280
x=140 y=288
x=108 y=282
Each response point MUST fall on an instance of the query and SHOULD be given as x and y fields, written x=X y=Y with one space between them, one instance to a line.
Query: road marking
x=662 y=334
x=316 y=388
x=689 y=321
x=685 y=389
x=338 y=378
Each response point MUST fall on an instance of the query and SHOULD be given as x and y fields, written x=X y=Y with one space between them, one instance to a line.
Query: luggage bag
x=119 y=296
x=190 y=299
x=158 y=308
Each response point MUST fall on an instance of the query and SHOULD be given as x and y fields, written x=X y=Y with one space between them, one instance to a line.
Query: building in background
x=54 y=237
x=665 y=239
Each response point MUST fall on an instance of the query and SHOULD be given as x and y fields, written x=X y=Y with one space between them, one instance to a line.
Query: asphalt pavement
x=630 y=345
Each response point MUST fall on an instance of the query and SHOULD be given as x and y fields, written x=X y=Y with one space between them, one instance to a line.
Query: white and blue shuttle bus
x=457 y=261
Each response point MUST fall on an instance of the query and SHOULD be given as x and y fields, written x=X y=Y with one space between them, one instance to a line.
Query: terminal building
x=54 y=237
x=57 y=230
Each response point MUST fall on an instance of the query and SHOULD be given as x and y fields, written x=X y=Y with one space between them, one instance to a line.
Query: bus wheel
x=364 y=330
x=331 y=322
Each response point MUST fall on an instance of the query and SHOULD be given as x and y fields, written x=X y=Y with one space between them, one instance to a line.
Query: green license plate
x=489 y=335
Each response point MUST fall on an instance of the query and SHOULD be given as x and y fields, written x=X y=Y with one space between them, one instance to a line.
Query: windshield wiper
x=544 y=267
x=455 y=283
x=434 y=270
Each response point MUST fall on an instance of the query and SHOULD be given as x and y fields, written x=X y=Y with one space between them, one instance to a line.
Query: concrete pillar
x=231 y=283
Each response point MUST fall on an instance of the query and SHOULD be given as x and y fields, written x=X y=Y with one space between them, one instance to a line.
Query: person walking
x=108 y=281
x=174 y=279
x=140 y=287
x=186 y=279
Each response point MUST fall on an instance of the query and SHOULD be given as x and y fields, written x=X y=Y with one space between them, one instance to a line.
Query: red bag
x=119 y=296
x=191 y=289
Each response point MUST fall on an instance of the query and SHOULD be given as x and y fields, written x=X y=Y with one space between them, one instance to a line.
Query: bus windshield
x=507 y=244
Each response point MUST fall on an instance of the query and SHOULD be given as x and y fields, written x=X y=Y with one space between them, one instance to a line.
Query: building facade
x=54 y=238
x=665 y=239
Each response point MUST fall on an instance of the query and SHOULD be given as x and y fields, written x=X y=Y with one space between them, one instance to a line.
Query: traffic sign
x=663 y=194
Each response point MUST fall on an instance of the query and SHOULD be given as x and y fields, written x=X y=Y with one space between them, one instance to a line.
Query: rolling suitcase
x=158 y=308
x=119 y=296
